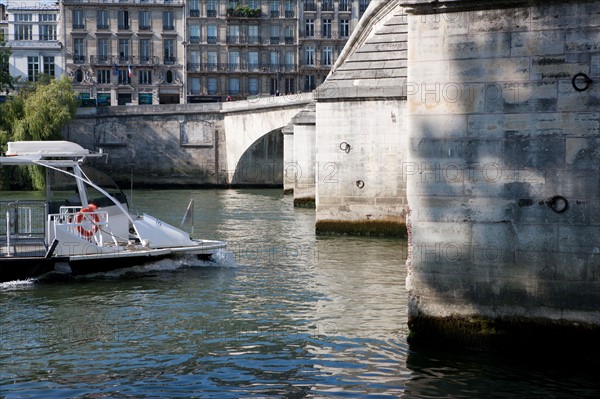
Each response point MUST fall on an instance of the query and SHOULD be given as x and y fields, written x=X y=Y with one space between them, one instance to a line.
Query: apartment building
x=32 y=33
x=125 y=51
x=189 y=51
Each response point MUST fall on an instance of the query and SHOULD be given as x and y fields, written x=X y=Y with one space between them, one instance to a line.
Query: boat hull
x=17 y=268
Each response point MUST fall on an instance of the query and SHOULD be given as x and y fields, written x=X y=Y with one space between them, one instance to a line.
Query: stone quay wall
x=504 y=171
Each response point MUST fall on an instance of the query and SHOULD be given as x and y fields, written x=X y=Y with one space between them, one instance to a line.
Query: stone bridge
x=214 y=144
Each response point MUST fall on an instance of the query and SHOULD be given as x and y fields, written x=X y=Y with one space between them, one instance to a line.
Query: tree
x=38 y=113
x=6 y=81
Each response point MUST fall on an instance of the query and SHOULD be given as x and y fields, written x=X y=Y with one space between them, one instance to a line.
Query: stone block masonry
x=503 y=184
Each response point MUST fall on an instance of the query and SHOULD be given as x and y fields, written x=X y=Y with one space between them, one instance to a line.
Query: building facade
x=33 y=35
x=188 y=51
x=125 y=52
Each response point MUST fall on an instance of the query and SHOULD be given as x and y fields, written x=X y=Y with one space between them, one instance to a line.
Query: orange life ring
x=93 y=218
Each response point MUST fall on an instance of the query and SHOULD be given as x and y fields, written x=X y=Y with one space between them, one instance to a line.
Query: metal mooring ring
x=558 y=204
x=345 y=147
x=360 y=183
x=586 y=80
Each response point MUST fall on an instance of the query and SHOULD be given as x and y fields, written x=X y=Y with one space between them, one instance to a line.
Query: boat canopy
x=30 y=152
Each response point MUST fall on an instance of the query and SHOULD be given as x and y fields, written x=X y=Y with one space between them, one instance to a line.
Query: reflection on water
x=295 y=316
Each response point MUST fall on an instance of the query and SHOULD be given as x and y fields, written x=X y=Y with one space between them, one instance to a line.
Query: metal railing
x=22 y=228
x=241 y=67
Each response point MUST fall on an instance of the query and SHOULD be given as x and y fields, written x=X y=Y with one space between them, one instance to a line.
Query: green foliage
x=244 y=11
x=6 y=81
x=38 y=112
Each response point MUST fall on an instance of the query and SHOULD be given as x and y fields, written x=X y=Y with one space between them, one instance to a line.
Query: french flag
x=129 y=71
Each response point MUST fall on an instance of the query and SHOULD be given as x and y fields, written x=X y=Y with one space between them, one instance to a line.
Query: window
x=104 y=76
x=102 y=21
x=145 y=50
x=168 y=23
x=326 y=27
x=362 y=5
x=145 y=20
x=254 y=4
x=49 y=66
x=253 y=86
x=326 y=5
x=212 y=86
x=274 y=34
x=33 y=68
x=344 y=5
x=169 y=51
x=309 y=52
x=253 y=35
x=274 y=58
x=327 y=56
x=23 y=32
x=194 y=8
x=344 y=28
x=47 y=32
x=234 y=60
x=212 y=61
x=309 y=83
x=289 y=9
x=253 y=60
x=145 y=76
x=290 y=85
x=195 y=86
x=47 y=17
x=274 y=8
x=211 y=8
x=234 y=86
x=103 y=49
x=290 y=60
x=233 y=34
x=78 y=19
x=195 y=34
x=123 y=19
x=78 y=50
x=124 y=50
x=212 y=34
x=289 y=34
x=124 y=76
x=309 y=28
x=23 y=17
x=194 y=63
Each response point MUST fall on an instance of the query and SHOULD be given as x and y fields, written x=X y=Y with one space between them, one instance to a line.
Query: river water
x=281 y=314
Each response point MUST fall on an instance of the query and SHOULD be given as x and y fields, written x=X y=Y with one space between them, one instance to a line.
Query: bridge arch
x=246 y=123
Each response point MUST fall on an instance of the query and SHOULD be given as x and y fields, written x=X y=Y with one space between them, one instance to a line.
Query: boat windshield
x=62 y=189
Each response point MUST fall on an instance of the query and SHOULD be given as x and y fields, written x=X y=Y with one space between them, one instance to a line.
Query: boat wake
x=220 y=259
x=17 y=284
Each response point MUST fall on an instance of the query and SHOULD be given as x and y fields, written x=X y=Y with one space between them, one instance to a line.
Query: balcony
x=290 y=14
x=78 y=59
x=211 y=40
x=211 y=13
x=233 y=39
x=194 y=39
x=177 y=2
x=124 y=27
x=242 y=67
x=111 y=60
x=243 y=12
x=252 y=39
x=290 y=40
x=144 y=27
x=344 y=6
x=169 y=60
x=168 y=27
x=274 y=39
x=327 y=6
x=274 y=14
x=194 y=13
x=310 y=6
x=102 y=27
x=78 y=26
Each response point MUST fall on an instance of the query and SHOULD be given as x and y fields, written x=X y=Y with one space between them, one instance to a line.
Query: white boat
x=85 y=224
